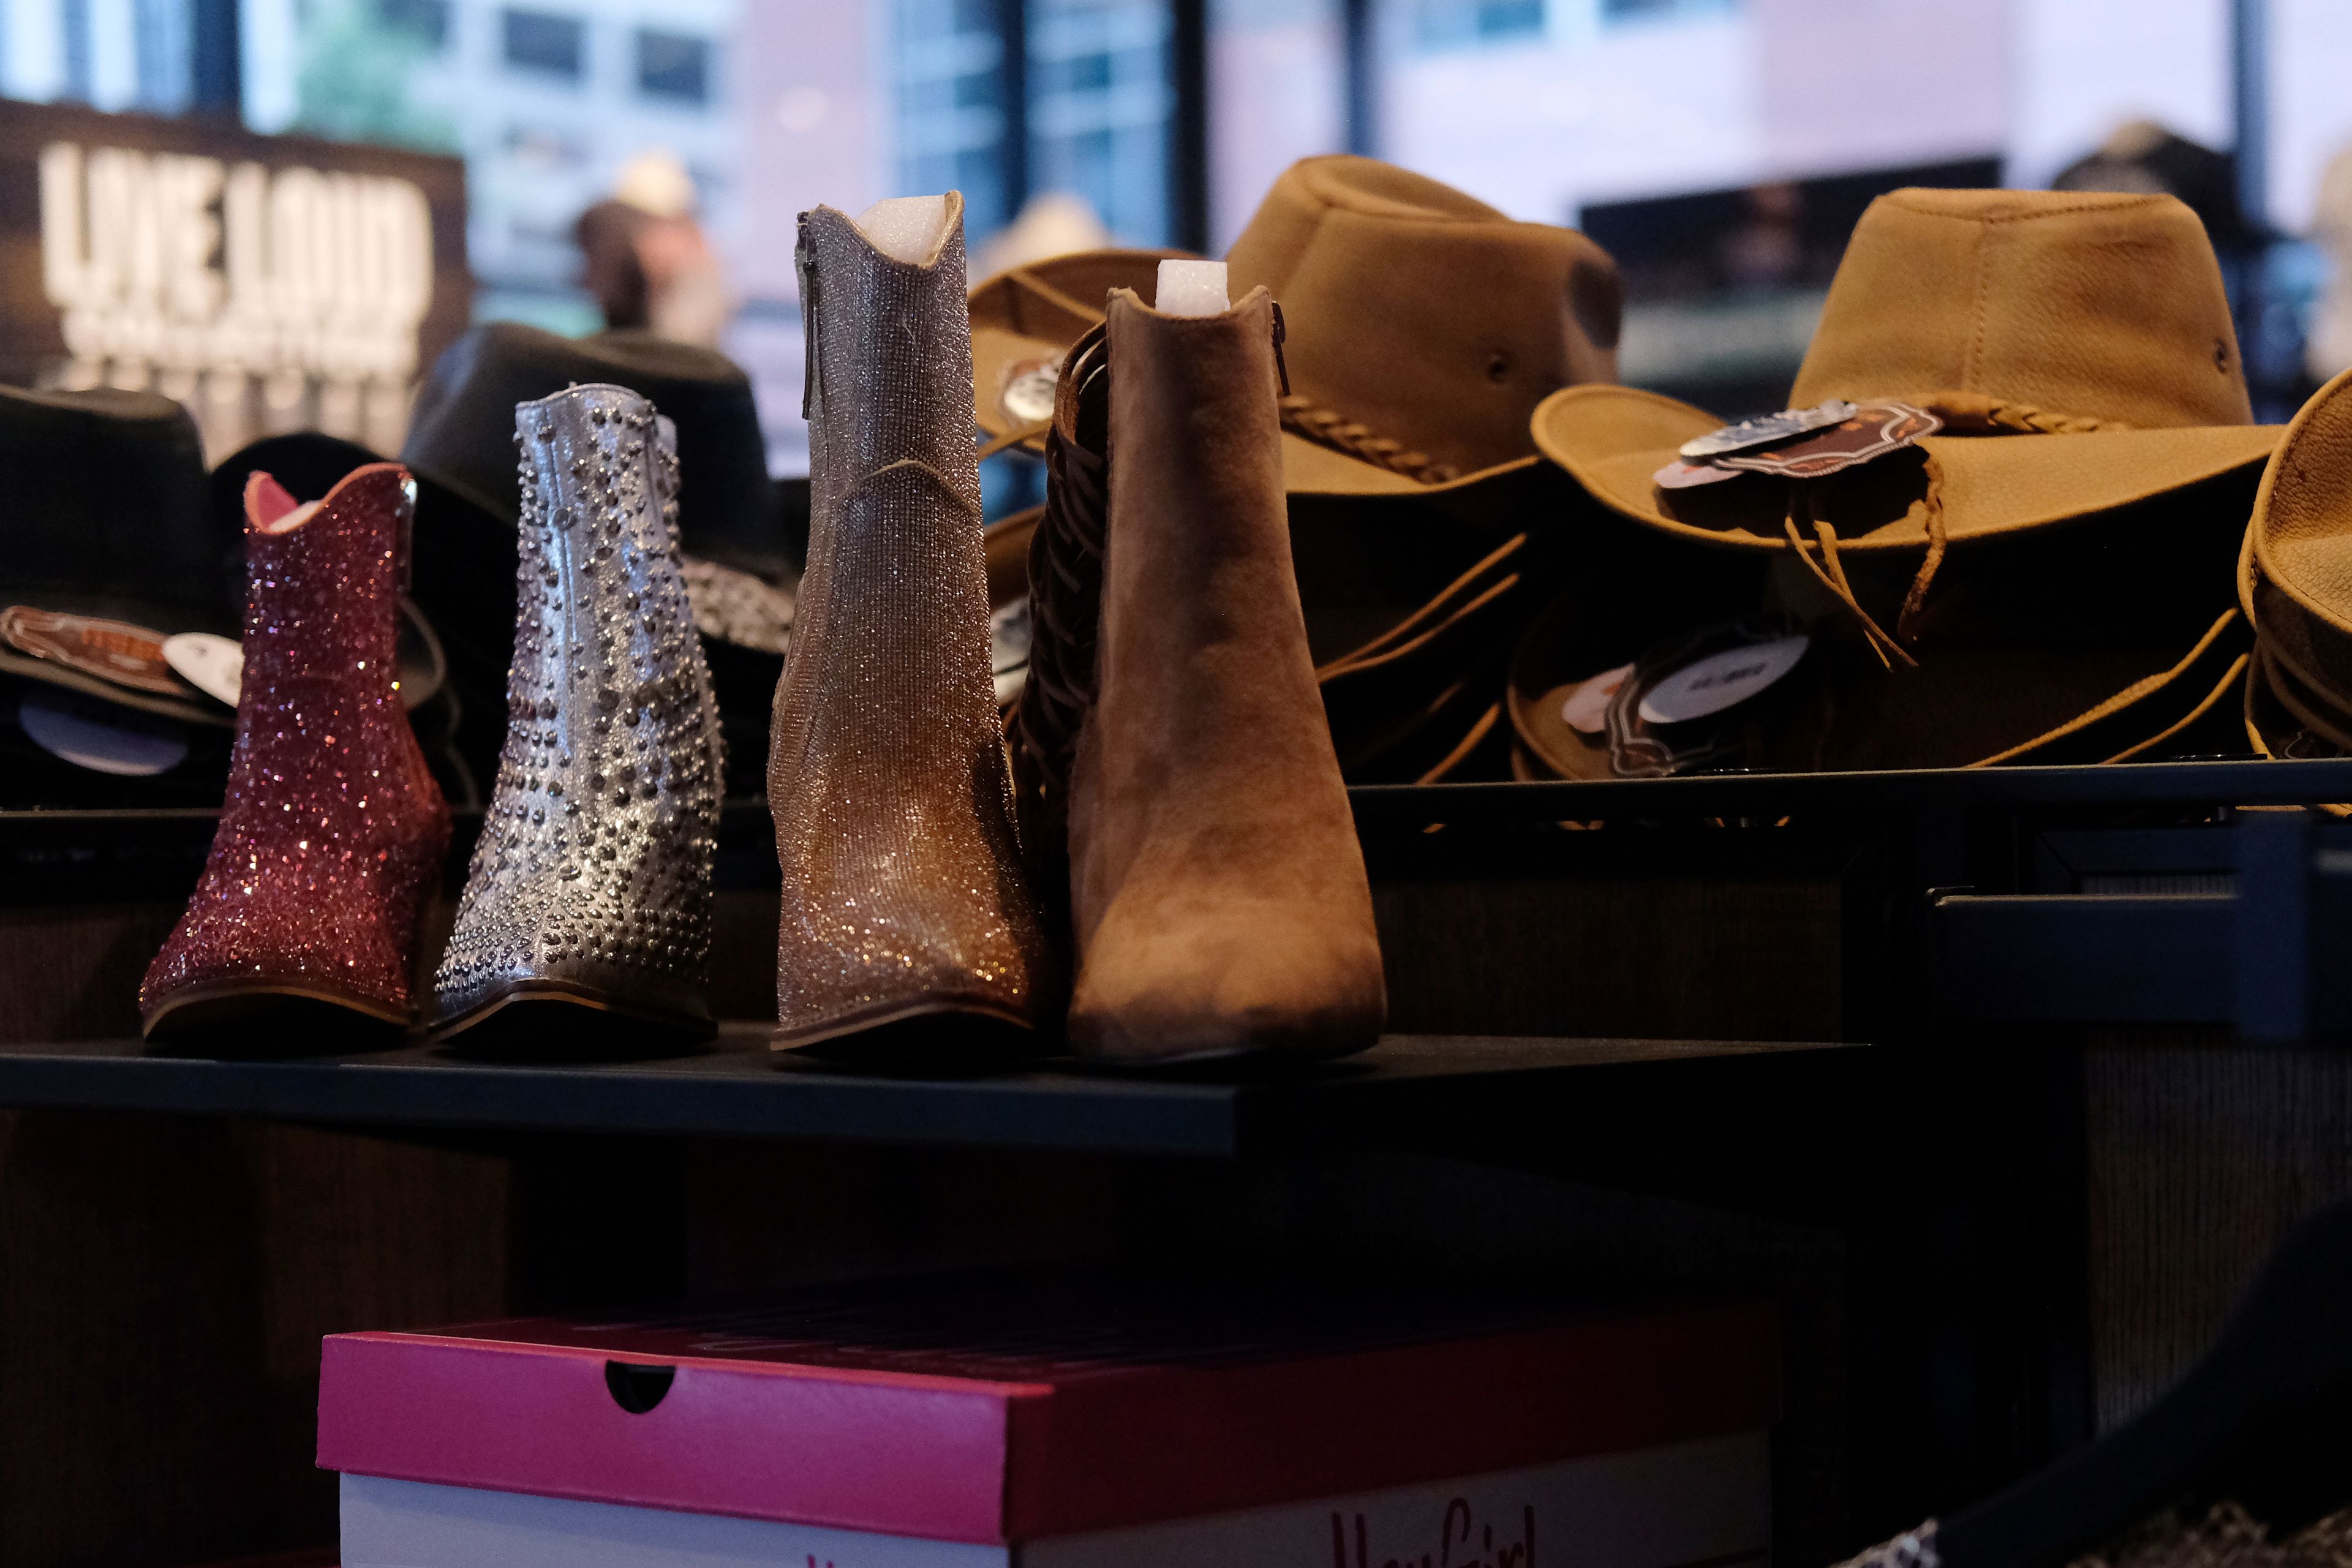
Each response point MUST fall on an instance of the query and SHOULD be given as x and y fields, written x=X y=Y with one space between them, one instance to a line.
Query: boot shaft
x=593 y=872
x=602 y=607
x=901 y=895
x=323 y=582
x=889 y=361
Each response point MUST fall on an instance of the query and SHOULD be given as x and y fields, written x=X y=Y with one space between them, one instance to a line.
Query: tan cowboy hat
x=1422 y=327
x=1412 y=606
x=2053 y=565
x=2076 y=347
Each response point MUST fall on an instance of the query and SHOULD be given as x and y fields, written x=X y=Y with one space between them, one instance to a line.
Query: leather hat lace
x=1066 y=574
x=1963 y=414
x=1305 y=417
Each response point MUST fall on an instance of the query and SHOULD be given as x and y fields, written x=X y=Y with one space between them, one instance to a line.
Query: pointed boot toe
x=332 y=827
x=1167 y=982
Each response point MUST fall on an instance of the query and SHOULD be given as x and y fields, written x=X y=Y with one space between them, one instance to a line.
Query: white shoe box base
x=1703 y=1504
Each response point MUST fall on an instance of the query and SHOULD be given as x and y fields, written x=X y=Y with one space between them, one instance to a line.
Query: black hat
x=461 y=448
x=106 y=521
x=461 y=434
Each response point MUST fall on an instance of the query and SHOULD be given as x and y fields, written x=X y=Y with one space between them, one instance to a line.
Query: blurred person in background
x=648 y=261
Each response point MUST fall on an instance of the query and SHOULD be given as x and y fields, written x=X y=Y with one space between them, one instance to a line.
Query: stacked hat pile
x=1996 y=525
x=1416 y=526
x=2294 y=584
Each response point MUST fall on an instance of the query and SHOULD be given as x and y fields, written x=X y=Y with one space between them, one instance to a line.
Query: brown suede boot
x=1218 y=898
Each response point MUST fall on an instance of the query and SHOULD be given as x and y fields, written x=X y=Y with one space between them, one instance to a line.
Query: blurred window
x=1099 y=104
x=161 y=41
x=544 y=41
x=951 y=94
x=1458 y=23
x=1277 y=79
x=1631 y=10
x=73 y=23
x=427 y=21
x=673 y=66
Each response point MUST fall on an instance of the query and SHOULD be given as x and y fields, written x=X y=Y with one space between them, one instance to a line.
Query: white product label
x=214 y=666
x=1587 y=708
x=1721 y=680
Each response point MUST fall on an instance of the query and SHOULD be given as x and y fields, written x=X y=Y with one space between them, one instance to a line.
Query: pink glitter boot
x=332 y=825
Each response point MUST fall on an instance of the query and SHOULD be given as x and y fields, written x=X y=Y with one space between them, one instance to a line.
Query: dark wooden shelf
x=1410 y=1090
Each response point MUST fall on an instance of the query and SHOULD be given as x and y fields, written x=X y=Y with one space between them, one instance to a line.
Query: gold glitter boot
x=591 y=884
x=904 y=900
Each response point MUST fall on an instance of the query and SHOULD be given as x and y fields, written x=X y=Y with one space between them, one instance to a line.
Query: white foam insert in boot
x=1192 y=289
x=906 y=228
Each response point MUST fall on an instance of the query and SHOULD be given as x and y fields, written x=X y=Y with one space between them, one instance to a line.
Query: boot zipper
x=1280 y=332
x=812 y=362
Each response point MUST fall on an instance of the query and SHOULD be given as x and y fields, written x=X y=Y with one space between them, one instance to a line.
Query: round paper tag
x=1720 y=680
x=1587 y=708
x=214 y=666
x=129 y=752
x=1028 y=393
x=1681 y=476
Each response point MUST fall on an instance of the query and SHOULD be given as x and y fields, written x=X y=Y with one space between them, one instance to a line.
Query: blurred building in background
x=1721 y=147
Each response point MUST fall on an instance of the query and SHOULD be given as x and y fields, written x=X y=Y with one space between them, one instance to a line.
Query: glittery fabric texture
x=331 y=824
x=592 y=879
x=903 y=891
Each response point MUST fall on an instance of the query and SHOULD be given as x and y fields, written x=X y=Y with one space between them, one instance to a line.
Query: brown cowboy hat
x=2055 y=571
x=2076 y=347
x=2294 y=584
x=1404 y=378
x=1412 y=607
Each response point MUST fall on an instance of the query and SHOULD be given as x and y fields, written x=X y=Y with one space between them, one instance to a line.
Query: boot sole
x=224 y=1005
x=586 y=998
x=913 y=1033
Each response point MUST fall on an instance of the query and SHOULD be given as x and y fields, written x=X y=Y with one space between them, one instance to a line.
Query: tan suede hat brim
x=1029 y=322
x=1612 y=439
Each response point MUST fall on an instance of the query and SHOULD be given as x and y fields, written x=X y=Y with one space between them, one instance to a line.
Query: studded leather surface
x=593 y=867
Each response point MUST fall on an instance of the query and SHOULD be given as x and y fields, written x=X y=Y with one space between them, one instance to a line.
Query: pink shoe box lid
x=1012 y=1408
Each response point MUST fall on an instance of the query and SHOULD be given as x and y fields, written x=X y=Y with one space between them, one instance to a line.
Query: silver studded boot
x=909 y=925
x=590 y=886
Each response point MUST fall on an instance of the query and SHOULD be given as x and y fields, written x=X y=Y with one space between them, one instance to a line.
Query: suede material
x=2079 y=303
x=1375 y=266
x=2296 y=579
x=1218 y=893
x=2099 y=315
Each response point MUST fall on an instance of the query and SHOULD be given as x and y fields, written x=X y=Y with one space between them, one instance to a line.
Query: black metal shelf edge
x=2228 y=781
x=1425 y=1089
x=2249 y=781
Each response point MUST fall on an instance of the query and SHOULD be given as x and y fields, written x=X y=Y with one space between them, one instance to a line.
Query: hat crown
x=1423 y=313
x=2085 y=307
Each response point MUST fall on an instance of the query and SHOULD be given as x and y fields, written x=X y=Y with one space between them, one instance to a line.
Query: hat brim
x=2285 y=720
x=1612 y=439
x=2090 y=706
x=1052 y=302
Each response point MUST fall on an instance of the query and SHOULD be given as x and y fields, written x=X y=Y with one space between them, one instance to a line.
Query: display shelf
x=1408 y=1090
